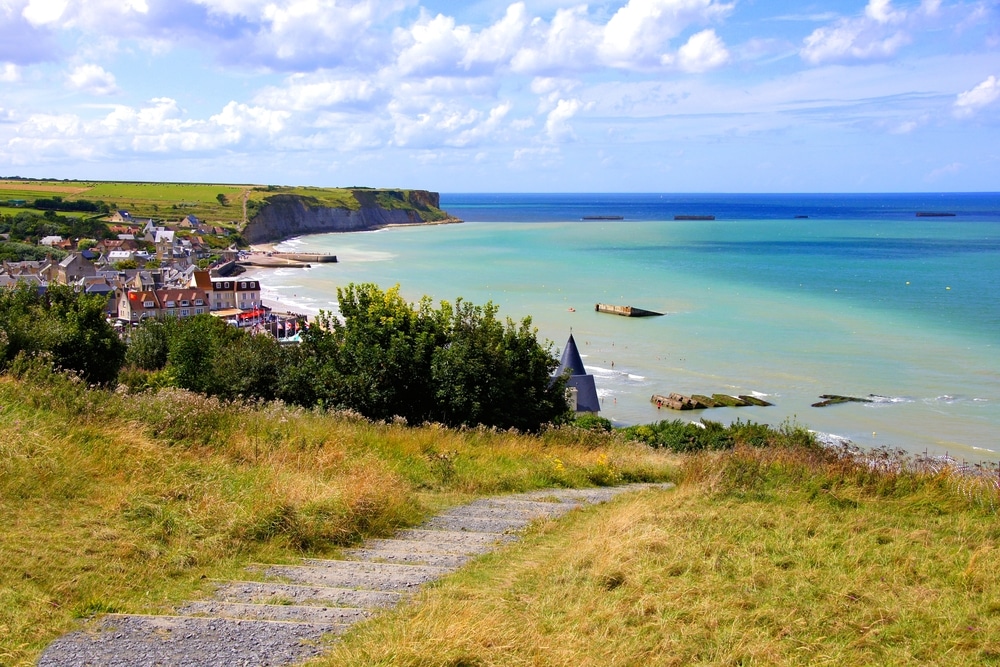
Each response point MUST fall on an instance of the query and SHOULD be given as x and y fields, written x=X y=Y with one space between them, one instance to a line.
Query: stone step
x=341 y=617
x=430 y=545
x=268 y=592
x=407 y=557
x=520 y=510
x=147 y=641
x=274 y=623
x=457 y=521
x=456 y=537
x=357 y=574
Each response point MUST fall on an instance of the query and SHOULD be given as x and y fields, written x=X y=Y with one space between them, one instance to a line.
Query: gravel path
x=287 y=618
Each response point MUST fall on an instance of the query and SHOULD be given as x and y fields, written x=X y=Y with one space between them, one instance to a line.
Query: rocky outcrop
x=284 y=216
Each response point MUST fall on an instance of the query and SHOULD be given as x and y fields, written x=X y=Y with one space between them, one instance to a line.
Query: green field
x=174 y=201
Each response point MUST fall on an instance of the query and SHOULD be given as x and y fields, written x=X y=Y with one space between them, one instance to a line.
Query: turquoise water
x=866 y=300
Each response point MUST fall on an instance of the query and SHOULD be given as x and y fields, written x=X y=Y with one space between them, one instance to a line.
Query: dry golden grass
x=759 y=557
x=133 y=504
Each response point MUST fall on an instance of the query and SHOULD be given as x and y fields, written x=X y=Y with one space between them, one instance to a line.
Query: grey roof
x=571 y=359
x=586 y=389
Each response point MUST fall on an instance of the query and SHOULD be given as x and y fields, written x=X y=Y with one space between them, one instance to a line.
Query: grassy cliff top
x=176 y=200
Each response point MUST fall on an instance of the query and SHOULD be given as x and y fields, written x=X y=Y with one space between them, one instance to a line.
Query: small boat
x=603 y=217
x=934 y=214
x=694 y=217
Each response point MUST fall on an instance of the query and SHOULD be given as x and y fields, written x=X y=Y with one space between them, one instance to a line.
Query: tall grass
x=778 y=556
x=116 y=502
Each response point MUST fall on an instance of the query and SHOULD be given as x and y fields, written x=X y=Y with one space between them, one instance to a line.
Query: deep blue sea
x=786 y=296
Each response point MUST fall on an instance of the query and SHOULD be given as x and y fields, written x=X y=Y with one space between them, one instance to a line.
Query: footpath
x=294 y=610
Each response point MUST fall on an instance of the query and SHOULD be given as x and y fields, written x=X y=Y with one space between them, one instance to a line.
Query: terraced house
x=136 y=305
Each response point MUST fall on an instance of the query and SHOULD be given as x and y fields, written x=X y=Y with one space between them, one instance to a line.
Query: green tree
x=383 y=353
x=191 y=353
x=495 y=373
x=248 y=366
x=459 y=365
x=149 y=344
x=223 y=201
x=68 y=327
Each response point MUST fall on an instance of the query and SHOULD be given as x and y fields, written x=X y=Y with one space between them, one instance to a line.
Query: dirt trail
x=288 y=617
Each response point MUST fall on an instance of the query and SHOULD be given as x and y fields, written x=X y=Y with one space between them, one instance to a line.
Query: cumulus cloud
x=320 y=90
x=498 y=42
x=93 y=80
x=9 y=73
x=877 y=34
x=970 y=102
x=159 y=126
x=881 y=11
x=702 y=52
x=42 y=12
x=432 y=45
x=637 y=33
x=240 y=120
x=565 y=43
x=557 y=126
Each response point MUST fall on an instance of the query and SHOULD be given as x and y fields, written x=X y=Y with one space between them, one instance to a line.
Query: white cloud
x=44 y=12
x=484 y=130
x=500 y=41
x=557 y=125
x=566 y=43
x=544 y=85
x=443 y=123
x=159 y=126
x=92 y=79
x=702 y=52
x=432 y=45
x=636 y=35
x=877 y=34
x=240 y=120
x=321 y=90
x=551 y=90
x=881 y=11
x=968 y=103
x=10 y=73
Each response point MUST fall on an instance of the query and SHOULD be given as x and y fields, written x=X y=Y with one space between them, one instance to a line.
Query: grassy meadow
x=758 y=557
x=169 y=201
x=115 y=502
x=780 y=554
x=173 y=201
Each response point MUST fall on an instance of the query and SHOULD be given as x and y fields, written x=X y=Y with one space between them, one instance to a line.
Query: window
x=185 y=302
x=184 y=312
x=148 y=304
x=199 y=302
x=243 y=285
x=171 y=304
x=227 y=285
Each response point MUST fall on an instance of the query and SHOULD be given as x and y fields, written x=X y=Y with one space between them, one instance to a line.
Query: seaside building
x=580 y=386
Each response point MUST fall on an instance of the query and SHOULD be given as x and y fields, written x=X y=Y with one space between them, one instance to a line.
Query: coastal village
x=150 y=270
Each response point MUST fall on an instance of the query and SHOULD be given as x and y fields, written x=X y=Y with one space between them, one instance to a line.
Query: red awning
x=252 y=313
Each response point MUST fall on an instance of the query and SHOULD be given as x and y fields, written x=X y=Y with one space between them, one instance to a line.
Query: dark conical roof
x=571 y=359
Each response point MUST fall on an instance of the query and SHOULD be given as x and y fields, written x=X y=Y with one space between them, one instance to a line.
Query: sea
x=787 y=297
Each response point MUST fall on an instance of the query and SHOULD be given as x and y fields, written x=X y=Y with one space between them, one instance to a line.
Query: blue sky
x=553 y=95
